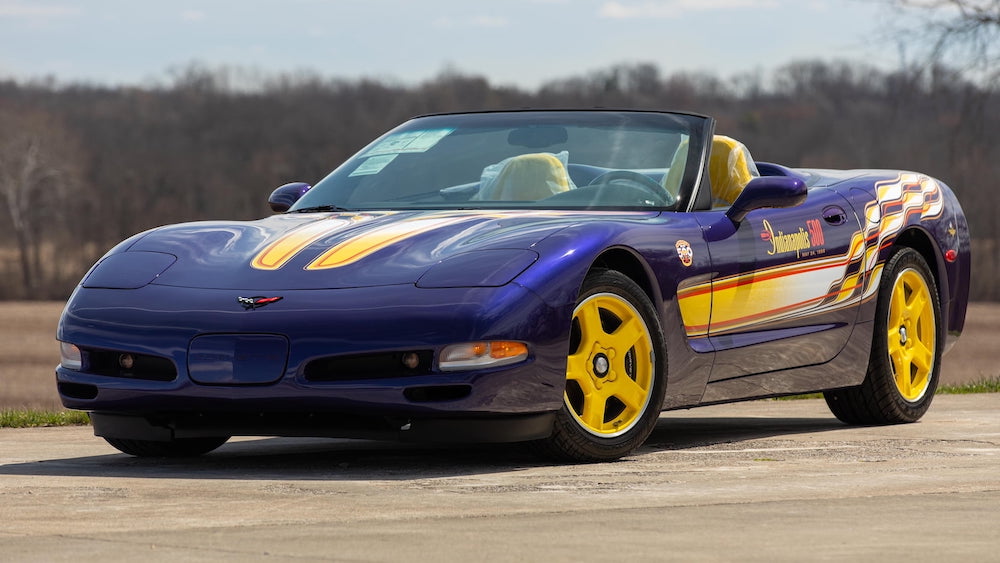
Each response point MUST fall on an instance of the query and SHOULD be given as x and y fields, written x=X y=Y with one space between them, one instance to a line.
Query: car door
x=785 y=285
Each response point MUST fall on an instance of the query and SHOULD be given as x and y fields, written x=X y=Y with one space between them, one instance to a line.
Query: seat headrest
x=730 y=169
x=526 y=177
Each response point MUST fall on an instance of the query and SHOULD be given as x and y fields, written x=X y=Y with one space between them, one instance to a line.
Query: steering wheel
x=648 y=185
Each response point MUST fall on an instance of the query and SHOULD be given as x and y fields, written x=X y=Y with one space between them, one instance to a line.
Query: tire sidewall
x=880 y=364
x=566 y=426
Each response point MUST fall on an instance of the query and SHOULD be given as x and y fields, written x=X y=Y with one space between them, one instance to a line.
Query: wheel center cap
x=902 y=335
x=601 y=365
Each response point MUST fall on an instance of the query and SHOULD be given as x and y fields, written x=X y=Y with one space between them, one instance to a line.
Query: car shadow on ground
x=362 y=460
x=688 y=432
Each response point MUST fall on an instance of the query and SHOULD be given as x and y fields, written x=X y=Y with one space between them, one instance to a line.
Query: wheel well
x=919 y=240
x=627 y=263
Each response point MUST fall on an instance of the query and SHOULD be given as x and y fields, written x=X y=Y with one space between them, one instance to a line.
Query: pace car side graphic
x=778 y=293
x=806 y=238
x=787 y=292
x=896 y=202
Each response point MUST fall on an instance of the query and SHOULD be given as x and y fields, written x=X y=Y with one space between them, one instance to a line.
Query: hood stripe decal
x=368 y=240
x=279 y=252
x=378 y=238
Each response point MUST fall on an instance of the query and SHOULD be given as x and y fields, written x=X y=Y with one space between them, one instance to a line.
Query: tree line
x=83 y=166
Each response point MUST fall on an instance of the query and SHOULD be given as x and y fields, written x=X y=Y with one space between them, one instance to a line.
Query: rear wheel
x=614 y=373
x=905 y=360
x=181 y=447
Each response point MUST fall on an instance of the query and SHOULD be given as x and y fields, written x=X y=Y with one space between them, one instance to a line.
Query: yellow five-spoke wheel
x=911 y=335
x=609 y=372
x=906 y=348
x=614 y=381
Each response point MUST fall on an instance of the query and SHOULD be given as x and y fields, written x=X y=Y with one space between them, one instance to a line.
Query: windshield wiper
x=321 y=209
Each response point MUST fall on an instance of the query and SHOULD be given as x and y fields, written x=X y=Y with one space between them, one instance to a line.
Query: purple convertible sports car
x=551 y=277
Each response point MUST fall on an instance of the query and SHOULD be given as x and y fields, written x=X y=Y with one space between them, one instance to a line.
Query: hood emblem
x=256 y=302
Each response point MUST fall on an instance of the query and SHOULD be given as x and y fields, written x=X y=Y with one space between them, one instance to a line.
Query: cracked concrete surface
x=759 y=481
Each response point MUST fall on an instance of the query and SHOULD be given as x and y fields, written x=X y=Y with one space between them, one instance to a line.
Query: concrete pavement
x=766 y=480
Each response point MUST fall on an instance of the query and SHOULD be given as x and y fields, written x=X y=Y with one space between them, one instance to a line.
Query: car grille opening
x=437 y=393
x=77 y=390
x=114 y=363
x=368 y=366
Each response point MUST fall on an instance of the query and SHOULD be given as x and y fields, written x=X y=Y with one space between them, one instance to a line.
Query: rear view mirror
x=285 y=196
x=767 y=191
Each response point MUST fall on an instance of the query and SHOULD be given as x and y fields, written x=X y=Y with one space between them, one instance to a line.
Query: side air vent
x=437 y=393
x=77 y=390
x=112 y=363
x=370 y=366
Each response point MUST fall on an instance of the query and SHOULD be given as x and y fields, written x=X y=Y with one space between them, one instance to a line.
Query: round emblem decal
x=684 y=252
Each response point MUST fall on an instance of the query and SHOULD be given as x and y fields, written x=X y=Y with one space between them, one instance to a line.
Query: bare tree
x=36 y=171
x=200 y=148
x=963 y=32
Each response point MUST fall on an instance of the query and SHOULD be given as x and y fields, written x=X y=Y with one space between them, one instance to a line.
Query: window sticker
x=410 y=141
x=373 y=165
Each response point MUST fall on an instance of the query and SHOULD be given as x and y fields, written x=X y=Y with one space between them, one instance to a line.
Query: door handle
x=834 y=215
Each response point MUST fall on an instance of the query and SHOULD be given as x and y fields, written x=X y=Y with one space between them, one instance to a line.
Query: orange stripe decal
x=357 y=248
x=279 y=252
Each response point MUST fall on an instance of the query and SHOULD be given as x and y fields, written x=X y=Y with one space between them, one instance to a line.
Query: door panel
x=786 y=287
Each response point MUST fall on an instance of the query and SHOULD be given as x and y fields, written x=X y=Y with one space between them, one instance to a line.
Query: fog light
x=411 y=360
x=126 y=361
x=471 y=355
x=70 y=356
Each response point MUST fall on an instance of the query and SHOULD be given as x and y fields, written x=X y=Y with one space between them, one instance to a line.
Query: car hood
x=342 y=250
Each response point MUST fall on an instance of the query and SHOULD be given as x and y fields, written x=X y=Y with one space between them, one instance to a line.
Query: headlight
x=128 y=270
x=70 y=356
x=478 y=268
x=473 y=355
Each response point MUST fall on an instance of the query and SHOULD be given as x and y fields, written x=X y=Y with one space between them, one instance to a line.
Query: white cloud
x=488 y=21
x=193 y=15
x=23 y=10
x=676 y=8
x=446 y=22
x=317 y=31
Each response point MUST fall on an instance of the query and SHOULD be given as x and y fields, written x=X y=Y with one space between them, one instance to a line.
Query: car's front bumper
x=163 y=321
x=167 y=427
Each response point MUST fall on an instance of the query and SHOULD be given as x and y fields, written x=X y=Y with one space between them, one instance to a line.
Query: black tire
x=905 y=361
x=182 y=447
x=617 y=354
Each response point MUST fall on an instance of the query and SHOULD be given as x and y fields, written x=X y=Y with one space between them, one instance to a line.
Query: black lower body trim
x=166 y=427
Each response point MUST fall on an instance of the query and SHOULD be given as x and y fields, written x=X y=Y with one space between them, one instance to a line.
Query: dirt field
x=28 y=352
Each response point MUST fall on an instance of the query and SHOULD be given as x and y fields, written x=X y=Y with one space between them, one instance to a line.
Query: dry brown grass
x=29 y=354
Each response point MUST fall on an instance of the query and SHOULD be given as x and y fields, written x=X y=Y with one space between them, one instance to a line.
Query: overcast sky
x=517 y=42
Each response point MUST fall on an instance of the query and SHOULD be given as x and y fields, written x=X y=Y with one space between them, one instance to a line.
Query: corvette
x=551 y=277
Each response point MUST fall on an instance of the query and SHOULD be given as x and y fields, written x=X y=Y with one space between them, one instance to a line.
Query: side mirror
x=284 y=197
x=767 y=191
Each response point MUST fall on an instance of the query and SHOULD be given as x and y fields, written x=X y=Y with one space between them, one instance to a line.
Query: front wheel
x=180 y=447
x=614 y=373
x=905 y=360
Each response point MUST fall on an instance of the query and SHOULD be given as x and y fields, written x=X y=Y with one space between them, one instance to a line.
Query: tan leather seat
x=730 y=169
x=672 y=179
x=527 y=177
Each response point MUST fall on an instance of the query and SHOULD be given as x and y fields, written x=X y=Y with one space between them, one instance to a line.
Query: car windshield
x=530 y=159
